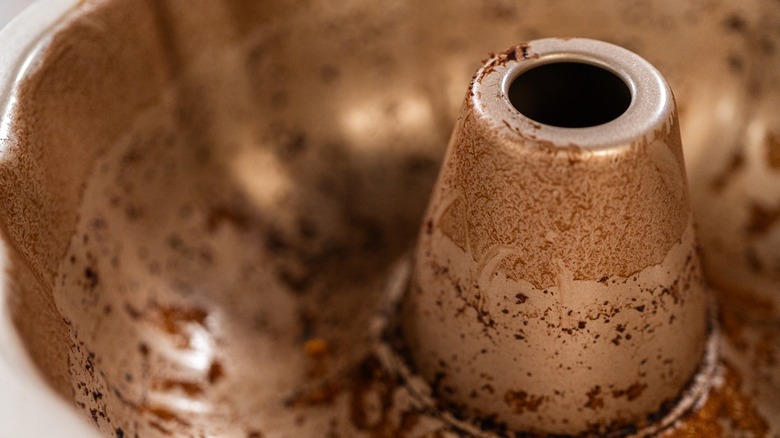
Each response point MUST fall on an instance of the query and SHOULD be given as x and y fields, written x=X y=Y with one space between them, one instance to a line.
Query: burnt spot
x=221 y=215
x=275 y=242
x=735 y=23
x=595 y=401
x=520 y=298
x=294 y=146
x=762 y=219
x=91 y=277
x=216 y=372
x=520 y=401
x=492 y=425
x=631 y=393
x=174 y=319
x=429 y=227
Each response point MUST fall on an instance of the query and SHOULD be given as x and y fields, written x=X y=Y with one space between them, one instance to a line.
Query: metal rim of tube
x=652 y=99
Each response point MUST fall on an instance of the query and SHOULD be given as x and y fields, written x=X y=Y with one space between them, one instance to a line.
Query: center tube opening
x=570 y=95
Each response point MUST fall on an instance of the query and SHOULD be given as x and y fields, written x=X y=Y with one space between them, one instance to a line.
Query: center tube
x=556 y=286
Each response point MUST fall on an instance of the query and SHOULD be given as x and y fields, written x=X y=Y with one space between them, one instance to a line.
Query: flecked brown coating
x=40 y=186
x=521 y=199
x=543 y=271
x=358 y=100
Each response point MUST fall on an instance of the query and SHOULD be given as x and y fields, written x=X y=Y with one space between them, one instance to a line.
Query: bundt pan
x=209 y=213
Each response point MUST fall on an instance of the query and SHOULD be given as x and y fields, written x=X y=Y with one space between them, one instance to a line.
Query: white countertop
x=10 y=8
x=28 y=408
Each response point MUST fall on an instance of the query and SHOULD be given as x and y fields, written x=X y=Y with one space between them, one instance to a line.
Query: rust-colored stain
x=317 y=350
x=315 y=347
x=727 y=405
x=174 y=319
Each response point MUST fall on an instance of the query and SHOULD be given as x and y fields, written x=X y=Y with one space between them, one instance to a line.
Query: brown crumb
x=315 y=347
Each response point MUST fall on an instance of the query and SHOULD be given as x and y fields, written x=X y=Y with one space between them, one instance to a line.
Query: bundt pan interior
x=201 y=203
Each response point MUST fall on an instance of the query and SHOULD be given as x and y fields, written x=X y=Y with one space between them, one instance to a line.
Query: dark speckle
x=91 y=276
x=216 y=372
x=632 y=392
x=762 y=219
x=119 y=432
x=735 y=23
x=521 y=401
x=736 y=64
x=275 y=243
x=295 y=145
x=329 y=73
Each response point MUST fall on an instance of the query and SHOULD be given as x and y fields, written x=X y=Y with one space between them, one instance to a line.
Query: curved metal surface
x=535 y=293
x=202 y=204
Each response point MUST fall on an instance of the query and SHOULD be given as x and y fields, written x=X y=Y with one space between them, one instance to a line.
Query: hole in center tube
x=570 y=95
